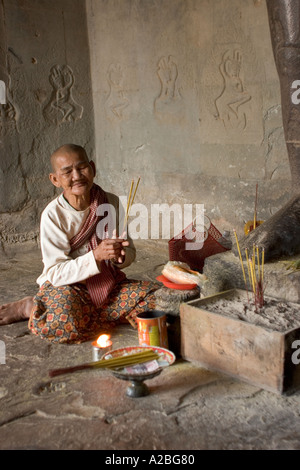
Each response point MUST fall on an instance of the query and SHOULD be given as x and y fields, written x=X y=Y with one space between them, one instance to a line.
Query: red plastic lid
x=174 y=285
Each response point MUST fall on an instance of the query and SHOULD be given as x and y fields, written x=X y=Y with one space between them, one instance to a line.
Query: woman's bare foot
x=16 y=311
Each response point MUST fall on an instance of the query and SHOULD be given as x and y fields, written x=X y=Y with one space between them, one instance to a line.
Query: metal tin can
x=152 y=329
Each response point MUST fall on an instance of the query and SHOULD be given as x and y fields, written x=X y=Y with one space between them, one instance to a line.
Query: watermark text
x=2 y=352
x=296 y=354
x=161 y=221
x=2 y=92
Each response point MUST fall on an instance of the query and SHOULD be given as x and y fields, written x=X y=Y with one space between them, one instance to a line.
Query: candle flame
x=103 y=341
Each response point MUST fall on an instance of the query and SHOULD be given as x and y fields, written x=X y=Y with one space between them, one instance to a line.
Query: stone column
x=284 y=21
x=3 y=46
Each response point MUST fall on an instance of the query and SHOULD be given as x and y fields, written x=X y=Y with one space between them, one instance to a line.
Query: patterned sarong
x=67 y=314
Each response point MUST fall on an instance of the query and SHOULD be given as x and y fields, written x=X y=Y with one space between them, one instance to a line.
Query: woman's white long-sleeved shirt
x=60 y=222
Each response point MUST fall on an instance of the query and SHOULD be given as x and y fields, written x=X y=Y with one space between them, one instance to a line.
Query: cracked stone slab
x=188 y=407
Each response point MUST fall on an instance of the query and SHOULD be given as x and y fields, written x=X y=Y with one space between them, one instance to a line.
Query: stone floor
x=188 y=408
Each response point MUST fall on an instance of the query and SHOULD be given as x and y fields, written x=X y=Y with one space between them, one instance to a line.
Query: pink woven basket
x=195 y=258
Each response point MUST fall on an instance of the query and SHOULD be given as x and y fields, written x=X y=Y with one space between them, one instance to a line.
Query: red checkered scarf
x=100 y=285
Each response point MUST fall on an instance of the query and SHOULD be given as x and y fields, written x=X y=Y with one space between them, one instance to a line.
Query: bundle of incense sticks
x=130 y=201
x=114 y=363
x=256 y=280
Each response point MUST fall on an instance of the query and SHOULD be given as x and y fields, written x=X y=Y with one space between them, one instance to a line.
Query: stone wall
x=186 y=95
x=44 y=62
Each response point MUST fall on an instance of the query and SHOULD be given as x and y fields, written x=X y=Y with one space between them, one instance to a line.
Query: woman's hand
x=112 y=249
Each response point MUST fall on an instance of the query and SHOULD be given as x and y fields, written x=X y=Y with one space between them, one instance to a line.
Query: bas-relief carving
x=228 y=102
x=9 y=114
x=11 y=238
x=234 y=95
x=276 y=164
x=9 y=111
x=117 y=100
x=62 y=106
x=169 y=104
x=231 y=83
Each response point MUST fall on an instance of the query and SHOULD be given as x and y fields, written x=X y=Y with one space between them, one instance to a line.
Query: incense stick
x=258 y=263
x=137 y=184
x=252 y=275
x=248 y=266
x=262 y=264
x=130 y=201
x=129 y=197
x=254 y=271
x=114 y=363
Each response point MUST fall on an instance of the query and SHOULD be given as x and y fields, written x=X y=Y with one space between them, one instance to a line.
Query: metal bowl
x=138 y=388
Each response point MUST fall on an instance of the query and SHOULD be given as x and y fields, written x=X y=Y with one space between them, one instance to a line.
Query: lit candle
x=101 y=346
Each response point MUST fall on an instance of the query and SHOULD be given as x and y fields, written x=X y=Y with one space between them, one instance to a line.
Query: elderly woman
x=82 y=287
